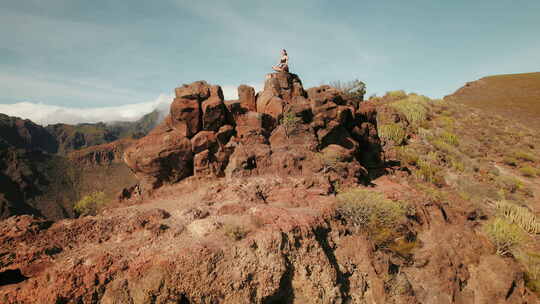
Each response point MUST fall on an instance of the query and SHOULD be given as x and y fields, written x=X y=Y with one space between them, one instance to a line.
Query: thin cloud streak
x=44 y=114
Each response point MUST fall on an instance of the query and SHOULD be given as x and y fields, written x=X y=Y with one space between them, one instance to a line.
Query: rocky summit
x=291 y=195
x=282 y=130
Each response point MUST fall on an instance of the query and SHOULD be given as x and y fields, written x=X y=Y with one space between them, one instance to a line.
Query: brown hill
x=515 y=97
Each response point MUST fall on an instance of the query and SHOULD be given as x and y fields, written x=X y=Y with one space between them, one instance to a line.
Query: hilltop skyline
x=105 y=54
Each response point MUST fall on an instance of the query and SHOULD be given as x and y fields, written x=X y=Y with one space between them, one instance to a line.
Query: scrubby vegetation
x=531 y=262
x=413 y=107
x=458 y=155
x=234 y=232
x=90 y=204
x=521 y=216
x=354 y=88
x=329 y=160
x=505 y=235
x=383 y=219
x=290 y=122
x=393 y=132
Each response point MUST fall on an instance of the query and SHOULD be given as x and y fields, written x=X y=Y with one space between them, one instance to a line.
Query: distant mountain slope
x=76 y=137
x=44 y=171
x=513 y=96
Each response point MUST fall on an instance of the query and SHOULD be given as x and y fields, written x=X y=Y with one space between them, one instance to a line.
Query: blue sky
x=98 y=54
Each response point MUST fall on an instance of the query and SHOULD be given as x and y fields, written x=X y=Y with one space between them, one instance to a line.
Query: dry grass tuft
x=505 y=235
x=234 y=232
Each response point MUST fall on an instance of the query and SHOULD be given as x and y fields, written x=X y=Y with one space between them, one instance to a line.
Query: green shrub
x=393 y=132
x=234 y=232
x=330 y=160
x=396 y=95
x=370 y=210
x=457 y=164
x=529 y=171
x=414 y=108
x=90 y=204
x=505 y=235
x=449 y=138
x=521 y=216
x=290 y=122
x=407 y=155
x=429 y=172
x=531 y=262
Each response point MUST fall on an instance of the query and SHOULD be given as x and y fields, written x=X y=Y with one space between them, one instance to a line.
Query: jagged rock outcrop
x=281 y=130
x=246 y=97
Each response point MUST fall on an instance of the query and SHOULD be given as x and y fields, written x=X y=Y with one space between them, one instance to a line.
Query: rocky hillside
x=516 y=97
x=300 y=196
x=36 y=178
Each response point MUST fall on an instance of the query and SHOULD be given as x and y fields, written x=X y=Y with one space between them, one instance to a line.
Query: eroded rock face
x=160 y=158
x=282 y=130
x=293 y=249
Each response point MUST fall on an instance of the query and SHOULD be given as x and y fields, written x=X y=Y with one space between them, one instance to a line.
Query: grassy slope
x=468 y=159
x=513 y=96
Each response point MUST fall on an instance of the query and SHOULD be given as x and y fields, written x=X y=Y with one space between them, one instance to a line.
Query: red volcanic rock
x=197 y=106
x=250 y=128
x=246 y=97
x=300 y=107
x=229 y=138
x=279 y=90
x=224 y=134
x=204 y=140
x=202 y=163
x=325 y=94
x=288 y=246
x=197 y=90
x=186 y=116
x=160 y=158
x=299 y=136
x=214 y=114
x=249 y=160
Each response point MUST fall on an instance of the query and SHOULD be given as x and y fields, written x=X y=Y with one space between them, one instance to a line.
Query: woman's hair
x=284 y=51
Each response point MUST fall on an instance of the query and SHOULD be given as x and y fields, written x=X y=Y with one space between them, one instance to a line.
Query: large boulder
x=279 y=90
x=246 y=97
x=197 y=106
x=160 y=158
x=214 y=110
x=197 y=90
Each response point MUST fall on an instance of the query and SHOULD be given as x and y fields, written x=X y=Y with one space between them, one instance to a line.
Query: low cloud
x=44 y=114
